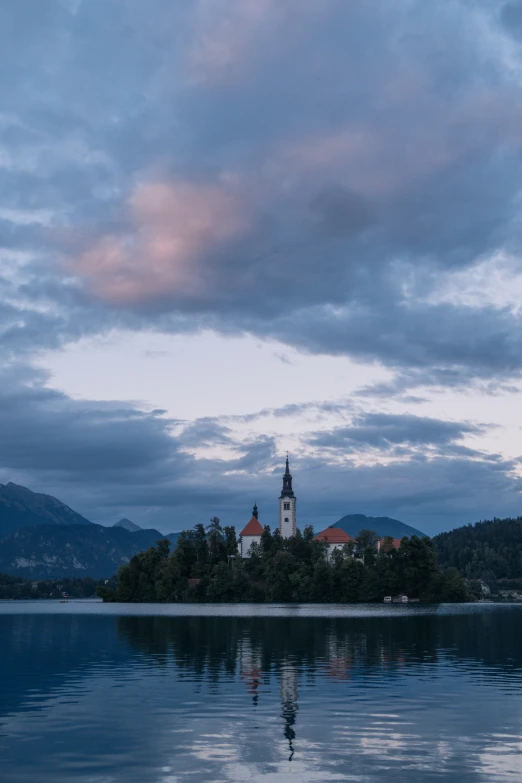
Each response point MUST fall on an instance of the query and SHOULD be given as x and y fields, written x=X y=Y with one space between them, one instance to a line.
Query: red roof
x=396 y=542
x=334 y=535
x=252 y=529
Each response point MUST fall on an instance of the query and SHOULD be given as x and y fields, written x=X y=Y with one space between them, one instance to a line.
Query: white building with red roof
x=251 y=534
x=335 y=538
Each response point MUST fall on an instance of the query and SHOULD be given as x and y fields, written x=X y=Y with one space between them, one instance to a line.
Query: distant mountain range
x=19 y=507
x=126 y=524
x=77 y=550
x=41 y=537
x=383 y=526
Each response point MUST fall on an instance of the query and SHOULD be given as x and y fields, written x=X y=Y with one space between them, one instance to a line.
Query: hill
x=21 y=508
x=126 y=524
x=492 y=547
x=49 y=551
x=383 y=526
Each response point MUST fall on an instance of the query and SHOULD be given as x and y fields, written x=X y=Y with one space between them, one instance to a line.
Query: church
x=251 y=533
x=333 y=537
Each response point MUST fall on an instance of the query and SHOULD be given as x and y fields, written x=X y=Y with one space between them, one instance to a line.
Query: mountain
x=383 y=526
x=173 y=538
x=126 y=524
x=73 y=550
x=20 y=508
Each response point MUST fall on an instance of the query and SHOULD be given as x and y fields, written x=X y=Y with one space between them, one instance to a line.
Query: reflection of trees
x=208 y=647
x=258 y=650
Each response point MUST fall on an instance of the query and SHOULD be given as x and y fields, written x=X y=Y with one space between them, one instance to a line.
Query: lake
x=103 y=693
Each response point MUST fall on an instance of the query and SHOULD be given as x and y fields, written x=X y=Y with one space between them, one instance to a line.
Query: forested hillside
x=482 y=550
x=58 y=551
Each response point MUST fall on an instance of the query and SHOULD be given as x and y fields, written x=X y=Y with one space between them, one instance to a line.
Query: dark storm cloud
x=112 y=459
x=384 y=431
x=511 y=16
x=398 y=140
x=206 y=432
x=443 y=343
x=340 y=211
x=304 y=171
x=45 y=431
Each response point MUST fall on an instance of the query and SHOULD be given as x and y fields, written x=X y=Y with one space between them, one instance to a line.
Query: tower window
x=286 y=519
x=286 y=506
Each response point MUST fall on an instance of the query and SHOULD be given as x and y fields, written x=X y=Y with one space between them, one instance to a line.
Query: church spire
x=287 y=491
x=255 y=512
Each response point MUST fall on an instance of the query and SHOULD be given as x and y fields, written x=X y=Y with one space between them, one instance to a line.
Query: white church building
x=251 y=533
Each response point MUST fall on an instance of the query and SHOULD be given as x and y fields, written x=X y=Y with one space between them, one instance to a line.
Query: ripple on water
x=160 y=694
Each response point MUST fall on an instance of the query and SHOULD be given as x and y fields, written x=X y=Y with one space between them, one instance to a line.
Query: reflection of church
x=289 y=701
x=251 y=672
x=250 y=668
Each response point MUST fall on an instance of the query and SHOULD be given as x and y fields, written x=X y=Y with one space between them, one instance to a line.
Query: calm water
x=102 y=694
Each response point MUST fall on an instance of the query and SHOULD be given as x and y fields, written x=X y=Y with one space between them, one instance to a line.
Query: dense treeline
x=205 y=566
x=488 y=550
x=17 y=587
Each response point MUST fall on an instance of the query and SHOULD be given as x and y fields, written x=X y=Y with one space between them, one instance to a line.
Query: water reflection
x=289 y=700
x=202 y=698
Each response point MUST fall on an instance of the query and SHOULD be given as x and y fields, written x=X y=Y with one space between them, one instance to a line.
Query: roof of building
x=254 y=528
x=396 y=542
x=334 y=535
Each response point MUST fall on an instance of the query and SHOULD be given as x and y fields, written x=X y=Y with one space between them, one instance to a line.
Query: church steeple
x=287 y=501
x=287 y=491
x=255 y=512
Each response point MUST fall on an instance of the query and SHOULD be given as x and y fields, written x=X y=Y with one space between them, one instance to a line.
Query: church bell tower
x=287 y=519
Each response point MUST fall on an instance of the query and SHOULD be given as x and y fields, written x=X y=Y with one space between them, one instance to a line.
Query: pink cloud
x=381 y=160
x=173 y=230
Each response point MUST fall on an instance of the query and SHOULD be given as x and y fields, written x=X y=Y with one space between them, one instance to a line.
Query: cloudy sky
x=231 y=228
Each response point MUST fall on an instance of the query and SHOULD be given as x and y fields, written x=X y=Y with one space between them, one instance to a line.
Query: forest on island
x=206 y=566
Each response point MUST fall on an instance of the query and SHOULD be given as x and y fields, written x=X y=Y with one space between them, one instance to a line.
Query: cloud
x=343 y=177
x=285 y=202
x=112 y=459
x=385 y=430
x=171 y=227
x=511 y=17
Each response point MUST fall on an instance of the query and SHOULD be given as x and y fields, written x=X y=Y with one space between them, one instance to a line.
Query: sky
x=235 y=228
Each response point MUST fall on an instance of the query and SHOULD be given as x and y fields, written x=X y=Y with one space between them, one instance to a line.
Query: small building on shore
x=251 y=534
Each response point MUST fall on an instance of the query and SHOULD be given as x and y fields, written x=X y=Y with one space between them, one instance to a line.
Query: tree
x=367 y=538
x=418 y=568
x=278 y=569
x=201 y=546
x=231 y=544
x=452 y=587
x=215 y=525
x=321 y=588
x=387 y=545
